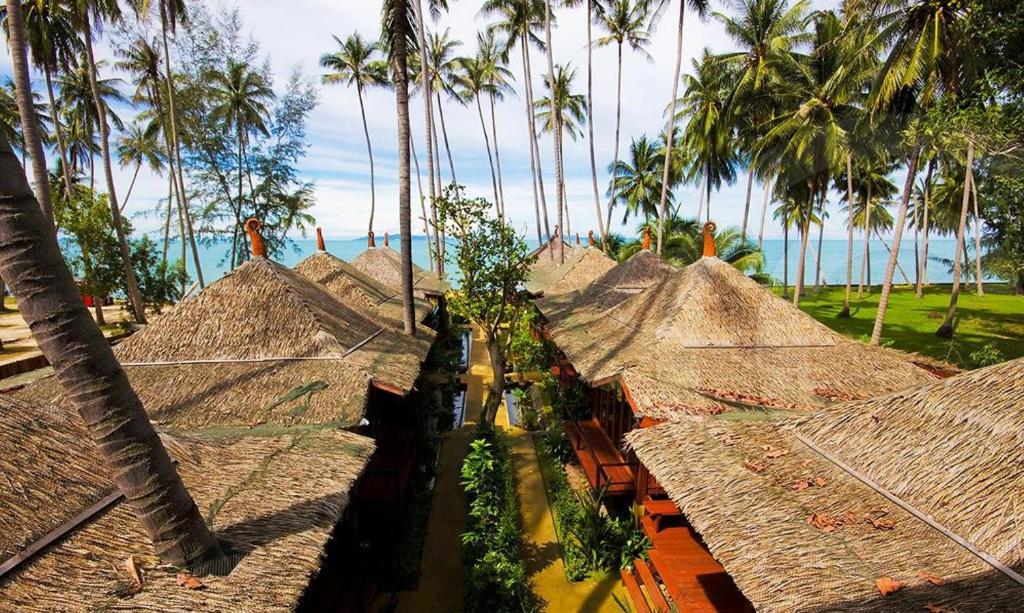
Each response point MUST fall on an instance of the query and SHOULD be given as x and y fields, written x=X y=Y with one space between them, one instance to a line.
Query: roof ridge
x=291 y=290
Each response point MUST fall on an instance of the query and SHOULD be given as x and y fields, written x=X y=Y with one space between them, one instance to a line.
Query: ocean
x=214 y=257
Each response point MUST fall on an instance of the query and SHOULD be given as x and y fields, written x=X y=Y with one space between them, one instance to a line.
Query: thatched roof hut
x=707 y=337
x=812 y=514
x=262 y=344
x=275 y=499
x=384 y=265
x=642 y=270
x=550 y=253
x=353 y=287
x=581 y=267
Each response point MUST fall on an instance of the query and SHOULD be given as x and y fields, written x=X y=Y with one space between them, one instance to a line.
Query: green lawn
x=997 y=319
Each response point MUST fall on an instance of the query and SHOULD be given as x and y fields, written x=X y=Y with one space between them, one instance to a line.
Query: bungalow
x=906 y=502
x=68 y=542
x=581 y=267
x=384 y=265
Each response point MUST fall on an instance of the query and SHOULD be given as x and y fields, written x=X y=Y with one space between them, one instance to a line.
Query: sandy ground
x=18 y=341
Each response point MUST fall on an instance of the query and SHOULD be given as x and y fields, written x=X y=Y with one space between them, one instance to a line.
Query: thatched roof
x=642 y=270
x=384 y=265
x=353 y=287
x=708 y=336
x=949 y=450
x=549 y=254
x=581 y=267
x=263 y=344
x=274 y=498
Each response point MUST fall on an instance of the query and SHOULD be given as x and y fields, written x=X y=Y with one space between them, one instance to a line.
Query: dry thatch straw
x=263 y=344
x=799 y=533
x=358 y=290
x=384 y=265
x=707 y=337
x=550 y=253
x=581 y=268
x=641 y=271
x=274 y=499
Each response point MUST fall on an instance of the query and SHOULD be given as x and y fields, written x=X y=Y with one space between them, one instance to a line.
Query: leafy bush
x=527 y=351
x=495 y=578
x=986 y=356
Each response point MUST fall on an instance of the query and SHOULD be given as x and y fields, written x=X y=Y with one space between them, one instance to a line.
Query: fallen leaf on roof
x=755 y=465
x=805 y=463
x=930 y=578
x=133 y=570
x=820 y=482
x=882 y=524
x=888 y=585
x=800 y=485
x=824 y=522
x=850 y=517
x=189 y=581
x=774 y=452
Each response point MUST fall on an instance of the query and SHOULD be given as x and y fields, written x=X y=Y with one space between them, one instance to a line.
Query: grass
x=995 y=319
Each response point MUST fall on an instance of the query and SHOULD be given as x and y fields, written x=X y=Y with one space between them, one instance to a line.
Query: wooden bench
x=659 y=509
x=601 y=461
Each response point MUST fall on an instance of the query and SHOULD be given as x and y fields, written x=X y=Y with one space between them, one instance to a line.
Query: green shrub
x=495 y=578
x=986 y=356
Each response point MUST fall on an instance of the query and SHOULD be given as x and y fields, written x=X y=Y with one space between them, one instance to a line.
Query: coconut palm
x=562 y=113
x=443 y=63
x=926 y=53
x=353 y=64
x=240 y=95
x=518 y=21
x=31 y=262
x=10 y=115
x=473 y=83
x=625 y=22
x=139 y=146
x=14 y=27
x=659 y=6
x=638 y=181
x=553 y=110
x=494 y=65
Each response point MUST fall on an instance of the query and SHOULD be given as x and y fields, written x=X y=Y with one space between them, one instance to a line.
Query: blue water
x=215 y=263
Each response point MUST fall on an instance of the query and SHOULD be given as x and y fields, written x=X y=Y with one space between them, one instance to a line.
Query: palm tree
x=707 y=137
x=562 y=113
x=701 y=7
x=638 y=181
x=925 y=54
x=625 y=22
x=519 y=21
x=86 y=12
x=11 y=117
x=354 y=65
x=240 y=93
x=443 y=64
x=139 y=146
x=15 y=30
x=553 y=110
x=472 y=80
x=53 y=44
x=765 y=32
x=31 y=262
x=496 y=75
x=398 y=36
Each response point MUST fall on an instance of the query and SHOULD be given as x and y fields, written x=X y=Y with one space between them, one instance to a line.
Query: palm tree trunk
x=670 y=137
x=428 y=115
x=785 y=258
x=369 y=152
x=401 y=80
x=115 y=210
x=559 y=178
x=801 y=263
x=946 y=329
x=821 y=237
x=26 y=110
x=746 y=207
x=497 y=156
x=865 y=262
x=849 y=238
x=590 y=121
x=618 y=126
x=534 y=142
x=423 y=204
x=923 y=266
x=897 y=237
x=490 y=158
x=440 y=191
x=238 y=204
x=62 y=149
x=85 y=366
x=764 y=211
x=131 y=186
x=178 y=166
x=181 y=234
x=979 y=283
x=702 y=197
x=167 y=223
x=444 y=133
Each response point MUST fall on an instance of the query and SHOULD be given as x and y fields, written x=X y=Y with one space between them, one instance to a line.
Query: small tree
x=494 y=262
x=90 y=245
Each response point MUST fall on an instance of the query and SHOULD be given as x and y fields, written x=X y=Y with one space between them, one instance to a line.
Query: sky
x=297 y=32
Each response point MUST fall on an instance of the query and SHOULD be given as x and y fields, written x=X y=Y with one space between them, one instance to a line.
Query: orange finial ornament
x=386 y=240
x=647 y=239
x=252 y=228
x=370 y=240
x=320 y=240
x=590 y=239
x=709 y=240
